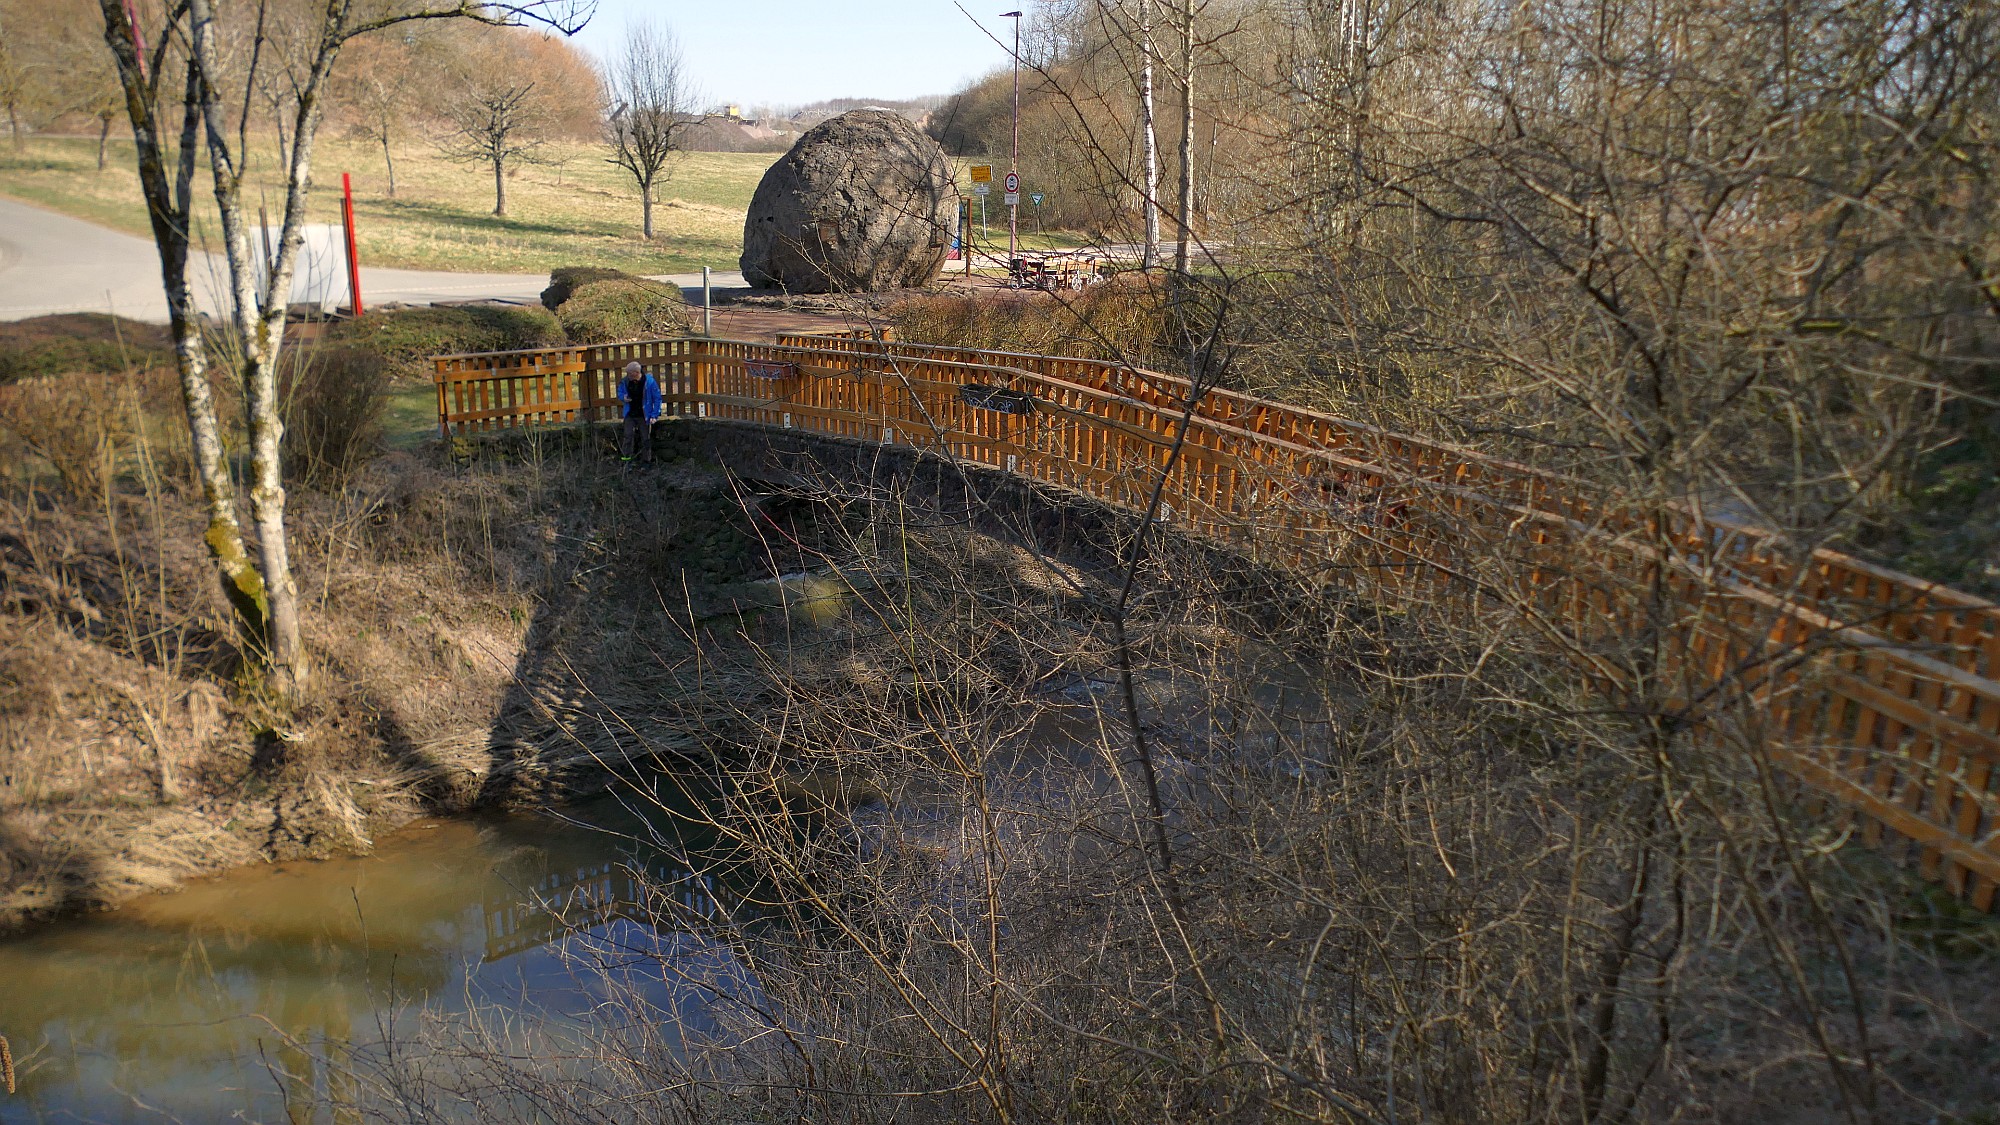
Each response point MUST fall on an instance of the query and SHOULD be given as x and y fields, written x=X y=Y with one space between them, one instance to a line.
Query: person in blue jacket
x=639 y=399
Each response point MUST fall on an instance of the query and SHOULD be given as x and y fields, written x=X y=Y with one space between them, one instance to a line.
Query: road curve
x=52 y=263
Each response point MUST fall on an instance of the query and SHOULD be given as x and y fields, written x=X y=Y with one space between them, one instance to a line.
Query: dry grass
x=442 y=217
x=451 y=604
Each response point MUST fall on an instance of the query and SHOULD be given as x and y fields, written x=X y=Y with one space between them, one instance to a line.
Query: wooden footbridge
x=1875 y=689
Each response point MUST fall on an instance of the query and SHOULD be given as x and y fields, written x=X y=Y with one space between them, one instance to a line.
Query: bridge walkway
x=1877 y=689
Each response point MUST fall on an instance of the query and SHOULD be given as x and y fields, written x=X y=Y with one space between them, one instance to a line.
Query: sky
x=791 y=52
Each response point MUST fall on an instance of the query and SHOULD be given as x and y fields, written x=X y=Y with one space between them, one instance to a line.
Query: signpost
x=963 y=243
x=982 y=186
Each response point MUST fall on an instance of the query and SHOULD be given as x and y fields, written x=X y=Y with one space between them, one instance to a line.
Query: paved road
x=52 y=263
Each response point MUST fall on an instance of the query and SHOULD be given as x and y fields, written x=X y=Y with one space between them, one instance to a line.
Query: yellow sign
x=982 y=173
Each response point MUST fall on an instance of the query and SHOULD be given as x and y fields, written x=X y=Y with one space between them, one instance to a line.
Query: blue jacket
x=652 y=403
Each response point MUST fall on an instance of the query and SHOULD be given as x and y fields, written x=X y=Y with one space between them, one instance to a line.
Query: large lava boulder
x=862 y=202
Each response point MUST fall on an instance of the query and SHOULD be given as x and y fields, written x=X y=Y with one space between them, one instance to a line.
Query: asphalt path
x=51 y=263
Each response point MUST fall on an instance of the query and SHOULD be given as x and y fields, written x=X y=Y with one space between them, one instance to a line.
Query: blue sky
x=789 y=52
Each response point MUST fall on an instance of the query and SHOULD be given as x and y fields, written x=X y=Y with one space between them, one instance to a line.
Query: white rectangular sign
x=320 y=275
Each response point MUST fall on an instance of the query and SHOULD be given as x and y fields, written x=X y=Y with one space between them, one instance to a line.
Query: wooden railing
x=1873 y=687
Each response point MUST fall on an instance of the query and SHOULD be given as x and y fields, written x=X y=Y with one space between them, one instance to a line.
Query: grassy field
x=576 y=212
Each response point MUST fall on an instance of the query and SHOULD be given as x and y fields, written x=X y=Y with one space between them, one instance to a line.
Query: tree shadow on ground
x=449 y=216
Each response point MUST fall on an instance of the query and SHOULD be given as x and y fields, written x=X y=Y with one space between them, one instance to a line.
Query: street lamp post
x=1014 y=157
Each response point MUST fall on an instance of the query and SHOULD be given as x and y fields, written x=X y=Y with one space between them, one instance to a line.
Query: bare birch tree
x=1150 y=139
x=1185 y=222
x=174 y=76
x=652 y=107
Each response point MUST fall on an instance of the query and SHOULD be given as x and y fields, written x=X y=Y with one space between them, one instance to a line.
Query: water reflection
x=215 y=1003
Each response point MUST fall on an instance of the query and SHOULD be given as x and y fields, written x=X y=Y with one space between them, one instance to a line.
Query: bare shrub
x=1412 y=872
x=1127 y=317
x=333 y=401
x=75 y=422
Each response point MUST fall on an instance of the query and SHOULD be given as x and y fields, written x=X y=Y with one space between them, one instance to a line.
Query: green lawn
x=577 y=212
x=409 y=417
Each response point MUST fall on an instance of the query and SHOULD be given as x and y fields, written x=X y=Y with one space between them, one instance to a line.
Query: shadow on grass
x=450 y=216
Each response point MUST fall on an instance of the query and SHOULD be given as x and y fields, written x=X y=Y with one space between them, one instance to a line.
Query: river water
x=223 y=1001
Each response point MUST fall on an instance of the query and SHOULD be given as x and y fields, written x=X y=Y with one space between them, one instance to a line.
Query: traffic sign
x=982 y=173
x=1013 y=184
x=1035 y=198
x=982 y=189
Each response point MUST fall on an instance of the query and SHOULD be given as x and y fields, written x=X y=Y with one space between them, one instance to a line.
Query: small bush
x=565 y=281
x=75 y=422
x=72 y=342
x=605 y=312
x=407 y=338
x=332 y=404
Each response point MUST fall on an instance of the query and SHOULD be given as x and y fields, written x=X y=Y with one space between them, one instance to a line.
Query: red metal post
x=353 y=259
x=138 y=40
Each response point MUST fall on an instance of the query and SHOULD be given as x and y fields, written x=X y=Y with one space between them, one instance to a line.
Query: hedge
x=605 y=312
x=80 y=342
x=407 y=338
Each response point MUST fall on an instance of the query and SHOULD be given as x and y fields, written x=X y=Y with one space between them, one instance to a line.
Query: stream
x=221 y=1001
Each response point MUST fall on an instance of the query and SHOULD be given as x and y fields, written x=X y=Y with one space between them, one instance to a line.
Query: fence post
x=701 y=376
x=437 y=377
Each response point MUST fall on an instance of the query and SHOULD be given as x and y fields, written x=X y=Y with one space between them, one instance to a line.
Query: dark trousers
x=638 y=432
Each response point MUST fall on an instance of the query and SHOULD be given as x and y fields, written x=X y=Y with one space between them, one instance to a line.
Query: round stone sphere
x=863 y=202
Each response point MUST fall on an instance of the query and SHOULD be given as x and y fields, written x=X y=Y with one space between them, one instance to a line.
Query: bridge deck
x=1874 y=687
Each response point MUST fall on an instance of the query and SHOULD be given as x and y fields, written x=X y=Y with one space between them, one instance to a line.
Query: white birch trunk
x=1185 y=233
x=1151 y=205
x=259 y=318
